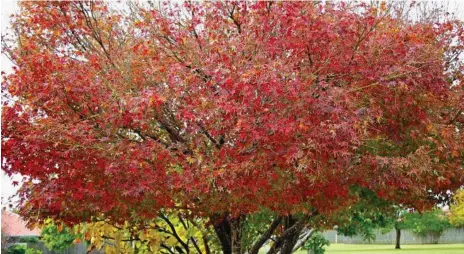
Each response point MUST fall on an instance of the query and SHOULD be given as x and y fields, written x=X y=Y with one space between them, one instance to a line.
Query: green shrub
x=431 y=223
x=17 y=249
x=28 y=239
x=33 y=251
x=22 y=249
x=316 y=243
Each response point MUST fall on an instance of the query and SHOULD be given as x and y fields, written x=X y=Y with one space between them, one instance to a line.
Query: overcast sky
x=9 y=7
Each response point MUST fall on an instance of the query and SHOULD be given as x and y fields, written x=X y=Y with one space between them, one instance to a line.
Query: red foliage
x=228 y=107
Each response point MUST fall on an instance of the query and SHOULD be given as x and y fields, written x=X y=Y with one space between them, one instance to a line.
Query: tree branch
x=196 y=245
x=265 y=236
x=167 y=248
x=288 y=233
x=303 y=239
x=231 y=15
x=174 y=232
x=208 y=135
x=455 y=116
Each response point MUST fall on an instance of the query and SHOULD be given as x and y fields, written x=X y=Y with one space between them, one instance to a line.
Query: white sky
x=9 y=7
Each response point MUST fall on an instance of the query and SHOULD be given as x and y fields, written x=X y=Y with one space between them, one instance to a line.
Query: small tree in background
x=316 y=244
x=457 y=209
x=369 y=213
x=430 y=223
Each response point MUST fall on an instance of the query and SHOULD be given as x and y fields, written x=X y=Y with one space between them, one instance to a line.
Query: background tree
x=228 y=110
x=369 y=214
x=457 y=209
x=362 y=220
x=430 y=223
x=316 y=244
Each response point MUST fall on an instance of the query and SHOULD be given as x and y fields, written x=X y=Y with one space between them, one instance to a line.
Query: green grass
x=405 y=249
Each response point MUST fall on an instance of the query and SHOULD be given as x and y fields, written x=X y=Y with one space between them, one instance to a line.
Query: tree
x=228 y=110
x=457 y=209
x=370 y=213
x=363 y=218
x=430 y=223
x=316 y=244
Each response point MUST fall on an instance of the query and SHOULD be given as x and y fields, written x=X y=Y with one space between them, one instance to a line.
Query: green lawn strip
x=413 y=249
x=386 y=248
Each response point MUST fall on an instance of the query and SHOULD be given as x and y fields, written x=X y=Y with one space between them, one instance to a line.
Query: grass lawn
x=405 y=249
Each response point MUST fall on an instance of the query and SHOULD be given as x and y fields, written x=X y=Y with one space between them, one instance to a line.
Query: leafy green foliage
x=428 y=223
x=57 y=238
x=16 y=249
x=317 y=243
x=22 y=249
x=369 y=213
x=28 y=239
x=255 y=224
x=33 y=251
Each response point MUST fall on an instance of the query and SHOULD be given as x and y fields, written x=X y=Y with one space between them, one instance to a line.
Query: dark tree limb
x=205 y=242
x=231 y=15
x=288 y=234
x=223 y=232
x=265 y=236
x=167 y=248
x=174 y=232
x=194 y=241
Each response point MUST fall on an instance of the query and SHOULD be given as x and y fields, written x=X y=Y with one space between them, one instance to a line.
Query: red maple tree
x=228 y=108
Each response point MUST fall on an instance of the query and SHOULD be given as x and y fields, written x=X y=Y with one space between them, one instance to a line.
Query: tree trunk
x=435 y=237
x=229 y=232
x=289 y=244
x=398 y=237
x=236 y=226
x=285 y=243
x=222 y=229
x=291 y=240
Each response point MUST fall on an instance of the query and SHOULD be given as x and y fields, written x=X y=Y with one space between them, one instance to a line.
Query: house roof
x=13 y=225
